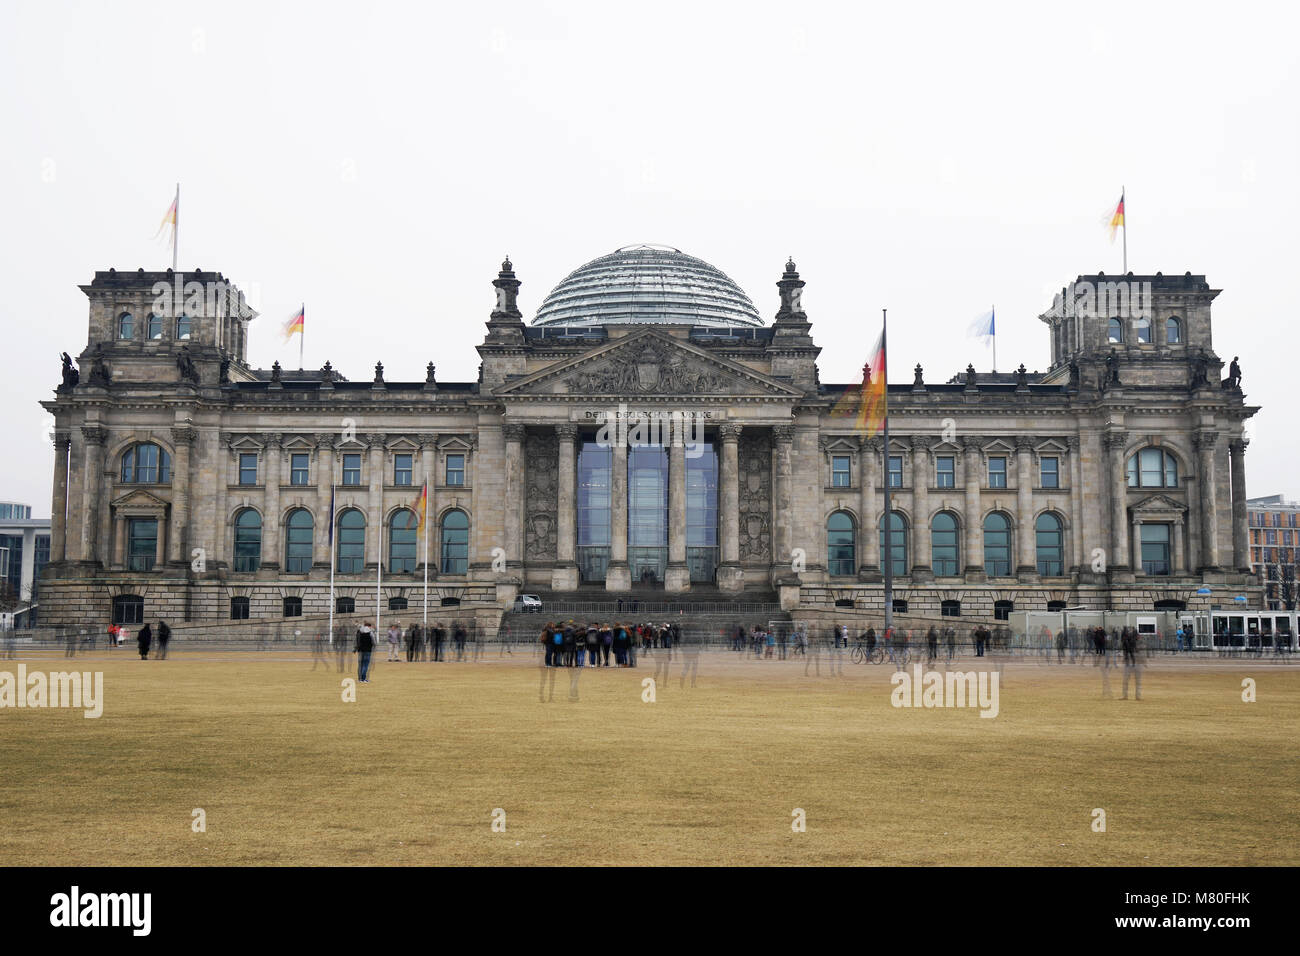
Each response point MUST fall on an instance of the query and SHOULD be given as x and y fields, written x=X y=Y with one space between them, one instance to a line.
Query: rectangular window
x=1049 y=473
x=352 y=469
x=997 y=472
x=840 y=475
x=247 y=469
x=1270 y=536
x=142 y=544
x=895 y=471
x=298 y=470
x=239 y=609
x=1155 y=549
x=455 y=469
x=293 y=607
x=401 y=469
x=945 y=470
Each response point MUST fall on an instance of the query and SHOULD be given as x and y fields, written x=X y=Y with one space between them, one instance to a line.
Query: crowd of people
x=574 y=644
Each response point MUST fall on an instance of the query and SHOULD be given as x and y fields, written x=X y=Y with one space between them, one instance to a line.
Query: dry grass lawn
x=288 y=773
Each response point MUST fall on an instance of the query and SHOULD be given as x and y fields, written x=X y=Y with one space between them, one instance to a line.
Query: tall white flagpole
x=1123 y=201
x=993 y=319
x=176 y=226
x=379 y=562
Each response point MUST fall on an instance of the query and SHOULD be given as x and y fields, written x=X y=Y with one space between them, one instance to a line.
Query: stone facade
x=1131 y=428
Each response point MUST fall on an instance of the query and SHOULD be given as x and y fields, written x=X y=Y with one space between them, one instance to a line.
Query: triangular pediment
x=1159 y=504
x=648 y=363
x=141 y=499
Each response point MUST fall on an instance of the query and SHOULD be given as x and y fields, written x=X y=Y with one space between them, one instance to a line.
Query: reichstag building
x=647 y=432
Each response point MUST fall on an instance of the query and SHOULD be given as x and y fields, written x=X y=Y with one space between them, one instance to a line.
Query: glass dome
x=647 y=284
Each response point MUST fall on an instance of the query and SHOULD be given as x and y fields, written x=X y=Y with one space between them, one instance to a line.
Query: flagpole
x=176 y=226
x=889 y=516
x=1123 y=201
x=994 y=320
x=379 y=560
x=302 y=334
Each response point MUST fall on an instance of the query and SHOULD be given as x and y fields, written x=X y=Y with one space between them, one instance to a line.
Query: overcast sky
x=377 y=160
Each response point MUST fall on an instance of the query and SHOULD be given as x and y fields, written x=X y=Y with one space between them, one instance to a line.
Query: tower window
x=125 y=326
x=1116 y=332
x=1173 y=330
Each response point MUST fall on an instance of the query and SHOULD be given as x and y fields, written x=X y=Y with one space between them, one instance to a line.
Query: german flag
x=420 y=509
x=1117 y=218
x=866 y=404
x=295 y=324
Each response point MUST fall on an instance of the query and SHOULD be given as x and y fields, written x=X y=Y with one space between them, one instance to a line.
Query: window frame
x=950 y=472
x=408 y=471
x=244 y=467
x=1055 y=471
x=448 y=471
x=344 y=461
x=992 y=472
x=240 y=608
x=305 y=469
x=845 y=473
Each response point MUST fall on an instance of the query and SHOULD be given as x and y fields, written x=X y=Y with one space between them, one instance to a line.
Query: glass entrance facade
x=594 y=464
x=647 y=513
x=702 y=515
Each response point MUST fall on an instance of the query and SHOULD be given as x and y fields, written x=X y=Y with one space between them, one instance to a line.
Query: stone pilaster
x=1076 y=503
x=178 y=537
x=677 y=576
x=730 y=575
x=972 y=519
x=1026 y=565
x=516 y=490
x=782 y=493
x=868 y=523
x=1119 y=525
x=921 y=541
x=565 y=575
x=320 y=552
x=429 y=543
x=1205 y=442
x=375 y=500
x=272 y=454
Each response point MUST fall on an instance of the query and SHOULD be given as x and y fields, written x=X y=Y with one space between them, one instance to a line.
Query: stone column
x=1179 y=564
x=921 y=541
x=868 y=476
x=160 y=544
x=429 y=544
x=94 y=438
x=178 y=534
x=1205 y=442
x=272 y=453
x=320 y=551
x=782 y=445
x=119 y=543
x=375 y=499
x=972 y=479
x=677 y=576
x=565 y=575
x=618 y=576
x=1240 y=528
x=1119 y=526
x=1027 y=566
x=1136 y=538
x=730 y=575
x=515 y=494
x=1076 y=502
x=59 y=502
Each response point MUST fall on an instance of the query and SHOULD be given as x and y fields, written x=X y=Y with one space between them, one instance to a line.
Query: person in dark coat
x=164 y=635
x=365 y=645
x=145 y=639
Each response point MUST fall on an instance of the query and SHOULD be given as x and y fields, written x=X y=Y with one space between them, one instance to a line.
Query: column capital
x=1205 y=440
x=1115 y=441
x=870 y=444
x=273 y=439
x=428 y=442
x=921 y=443
x=61 y=439
x=1238 y=445
x=1072 y=442
x=567 y=431
x=376 y=440
x=971 y=444
x=783 y=433
x=513 y=432
x=1024 y=444
x=730 y=431
x=184 y=434
x=325 y=440
x=94 y=434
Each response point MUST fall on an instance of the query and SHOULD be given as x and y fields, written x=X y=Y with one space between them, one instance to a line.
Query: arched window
x=402 y=541
x=895 y=549
x=1173 y=330
x=297 y=542
x=1142 y=328
x=155 y=326
x=397 y=604
x=184 y=325
x=1048 y=535
x=125 y=325
x=248 y=540
x=351 y=536
x=997 y=545
x=1116 y=331
x=146 y=464
x=128 y=609
x=455 y=542
x=840 y=557
x=943 y=544
x=1152 y=468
